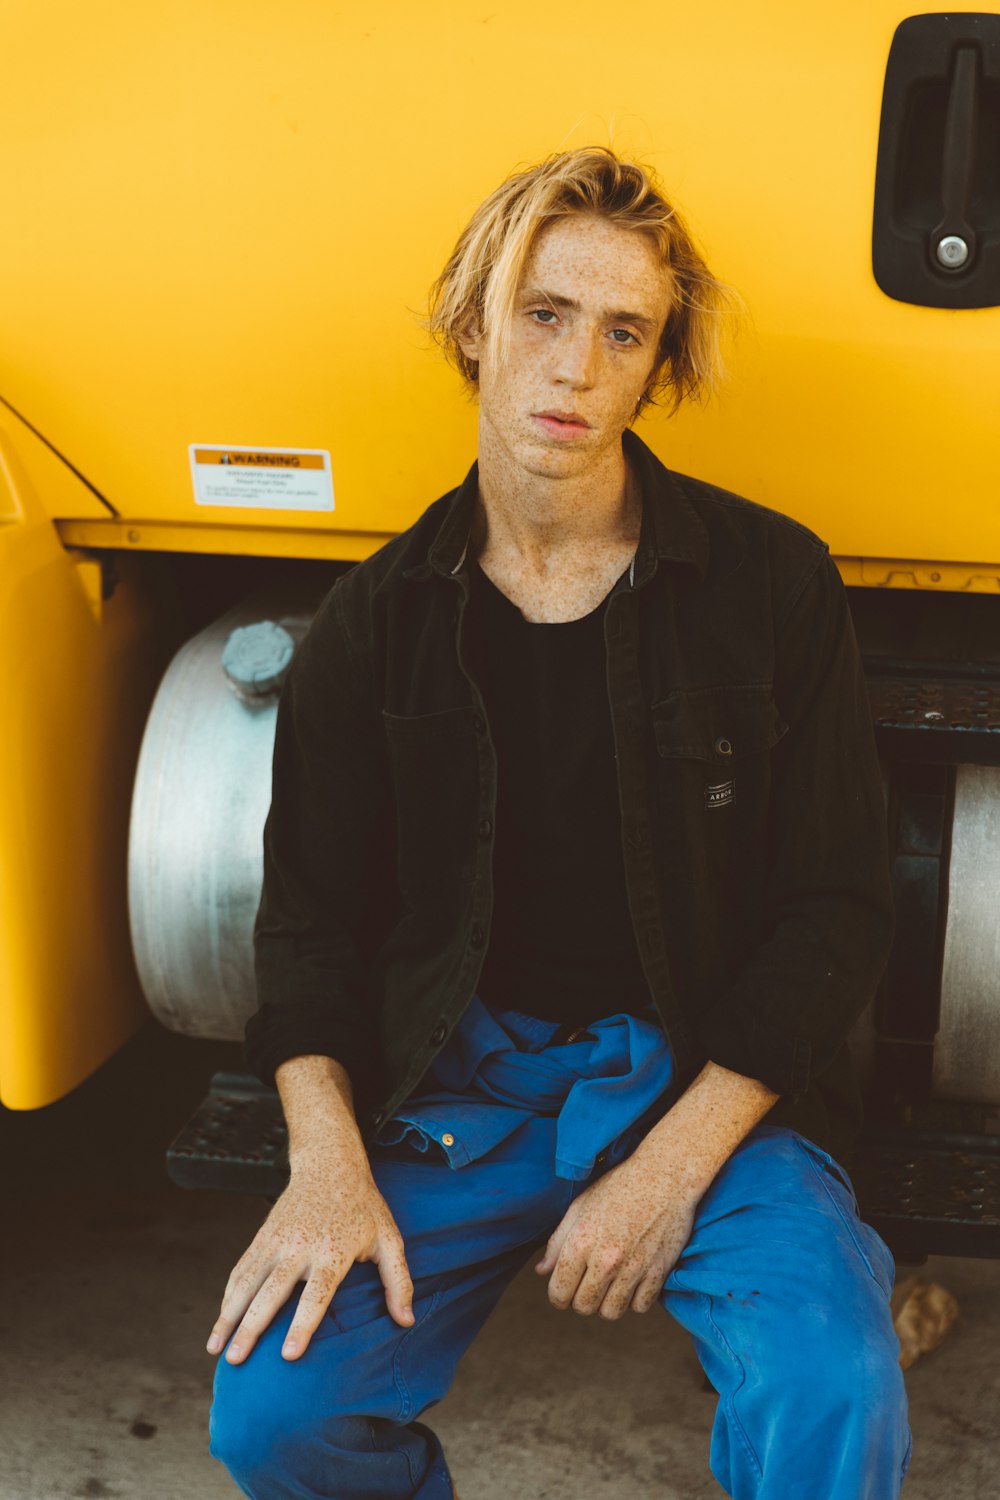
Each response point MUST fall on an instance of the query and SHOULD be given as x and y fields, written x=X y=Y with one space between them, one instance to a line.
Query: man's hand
x=327 y=1218
x=618 y=1242
x=330 y=1215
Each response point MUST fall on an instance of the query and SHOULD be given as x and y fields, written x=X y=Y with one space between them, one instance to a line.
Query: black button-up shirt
x=753 y=824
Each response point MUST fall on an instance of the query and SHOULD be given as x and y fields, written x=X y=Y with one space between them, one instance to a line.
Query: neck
x=542 y=518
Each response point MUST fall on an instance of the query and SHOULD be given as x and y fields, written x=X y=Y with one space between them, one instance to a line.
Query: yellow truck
x=220 y=226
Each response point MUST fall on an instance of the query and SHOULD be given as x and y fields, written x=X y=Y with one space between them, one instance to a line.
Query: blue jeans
x=783 y=1288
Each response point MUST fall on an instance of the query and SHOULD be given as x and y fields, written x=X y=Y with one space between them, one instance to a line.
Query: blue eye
x=628 y=336
x=542 y=312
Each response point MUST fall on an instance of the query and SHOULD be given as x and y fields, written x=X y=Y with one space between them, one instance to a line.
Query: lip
x=561 y=424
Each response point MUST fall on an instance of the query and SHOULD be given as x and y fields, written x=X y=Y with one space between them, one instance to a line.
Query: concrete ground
x=112 y=1277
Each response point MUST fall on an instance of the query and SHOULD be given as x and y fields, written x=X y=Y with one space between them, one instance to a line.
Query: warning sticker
x=267 y=478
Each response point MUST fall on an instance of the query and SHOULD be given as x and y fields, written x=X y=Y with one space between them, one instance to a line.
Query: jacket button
x=485 y=828
x=447 y=1139
x=478 y=935
x=479 y=723
x=438 y=1034
x=377 y=1116
x=723 y=746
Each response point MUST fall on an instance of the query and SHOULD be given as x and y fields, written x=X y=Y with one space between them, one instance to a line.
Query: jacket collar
x=671 y=529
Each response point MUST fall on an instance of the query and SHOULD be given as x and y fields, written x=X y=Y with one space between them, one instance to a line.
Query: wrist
x=328 y=1150
x=700 y=1132
x=319 y=1112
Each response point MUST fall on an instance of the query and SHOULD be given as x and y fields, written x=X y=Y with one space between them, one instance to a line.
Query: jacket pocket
x=411 y=731
x=718 y=725
x=712 y=771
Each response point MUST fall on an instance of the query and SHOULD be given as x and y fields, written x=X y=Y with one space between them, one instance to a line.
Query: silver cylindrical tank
x=202 y=792
x=966 y=1065
x=967 y=1048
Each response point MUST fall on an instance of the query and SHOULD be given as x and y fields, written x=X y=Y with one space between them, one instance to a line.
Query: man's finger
x=390 y=1257
x=245 y=1280
x=621 y=1290
x=570 y=1269
x=599 y=1275
x=273 y=1294
x=554 y=1247
x=317 y=1294
x=648 y=1291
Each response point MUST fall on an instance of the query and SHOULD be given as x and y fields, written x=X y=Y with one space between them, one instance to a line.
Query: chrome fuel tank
x=202 y=792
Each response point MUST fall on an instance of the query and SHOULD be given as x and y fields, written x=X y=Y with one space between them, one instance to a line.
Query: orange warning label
x=261 y=478
x=259 y=459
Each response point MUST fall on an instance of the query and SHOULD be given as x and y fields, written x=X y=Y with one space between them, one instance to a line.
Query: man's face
x=591 y=307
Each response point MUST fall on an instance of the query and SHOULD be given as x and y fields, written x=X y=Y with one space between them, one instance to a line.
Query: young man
x=575 y=881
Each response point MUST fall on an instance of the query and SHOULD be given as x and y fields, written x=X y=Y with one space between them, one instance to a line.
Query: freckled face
x=590 y=309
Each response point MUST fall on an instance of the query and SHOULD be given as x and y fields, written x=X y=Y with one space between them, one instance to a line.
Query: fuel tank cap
x=255 y=659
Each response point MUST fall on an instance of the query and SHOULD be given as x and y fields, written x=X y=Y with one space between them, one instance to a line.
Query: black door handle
x=936 y=227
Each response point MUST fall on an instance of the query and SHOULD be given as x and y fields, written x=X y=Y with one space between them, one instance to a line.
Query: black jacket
x=753 y=824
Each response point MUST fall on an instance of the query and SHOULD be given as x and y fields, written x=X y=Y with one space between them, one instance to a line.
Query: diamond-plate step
x=236 y=1140
x=931 y=1194
x=955 y=719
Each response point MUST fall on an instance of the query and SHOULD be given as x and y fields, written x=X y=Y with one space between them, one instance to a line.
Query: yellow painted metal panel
x=247 y=541
x=223 y=219
x=59 y=490
x=77 y=682
x=909 y=573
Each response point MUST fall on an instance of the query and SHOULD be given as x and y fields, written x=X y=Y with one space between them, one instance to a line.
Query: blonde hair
x=478 y=286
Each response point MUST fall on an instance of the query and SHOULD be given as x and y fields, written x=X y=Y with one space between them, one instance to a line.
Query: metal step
x=930 y=1193
x=235 y=1142
x=926 y=1192
x=952 y=719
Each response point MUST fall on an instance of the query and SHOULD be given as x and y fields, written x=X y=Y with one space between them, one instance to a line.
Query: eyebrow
x=538 y=294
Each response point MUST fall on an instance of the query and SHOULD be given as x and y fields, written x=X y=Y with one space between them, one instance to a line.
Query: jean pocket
x=874 y=1252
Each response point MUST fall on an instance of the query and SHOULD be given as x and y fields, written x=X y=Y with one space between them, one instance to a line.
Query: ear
x=470 y=341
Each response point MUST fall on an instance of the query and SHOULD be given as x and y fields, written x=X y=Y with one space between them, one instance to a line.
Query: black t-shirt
x=562 y=945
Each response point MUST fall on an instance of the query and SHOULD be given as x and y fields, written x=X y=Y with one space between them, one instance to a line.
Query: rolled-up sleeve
x=827 y=894
x=324 y=889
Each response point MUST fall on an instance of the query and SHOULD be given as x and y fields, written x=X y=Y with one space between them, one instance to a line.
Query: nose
x=575 y=356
